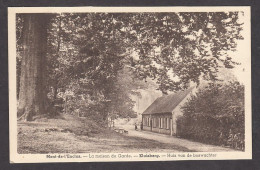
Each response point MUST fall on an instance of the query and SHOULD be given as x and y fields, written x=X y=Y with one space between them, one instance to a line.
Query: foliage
x=96 y=61
x=172 y=48
x=176 y=48
x=151 y=45
x=215 y=115
x=19 y=27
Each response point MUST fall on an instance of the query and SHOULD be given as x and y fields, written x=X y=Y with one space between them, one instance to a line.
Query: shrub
x=215 y=115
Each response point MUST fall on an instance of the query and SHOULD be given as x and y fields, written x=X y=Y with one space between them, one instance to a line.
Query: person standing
x=135 y=126
x=141 y=126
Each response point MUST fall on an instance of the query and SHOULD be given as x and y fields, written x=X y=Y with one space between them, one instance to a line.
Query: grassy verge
x=77 y=135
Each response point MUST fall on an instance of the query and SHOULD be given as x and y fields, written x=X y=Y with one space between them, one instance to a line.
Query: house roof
x=166 y=104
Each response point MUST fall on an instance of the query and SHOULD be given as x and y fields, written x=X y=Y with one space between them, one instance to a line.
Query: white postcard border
x=114 y=157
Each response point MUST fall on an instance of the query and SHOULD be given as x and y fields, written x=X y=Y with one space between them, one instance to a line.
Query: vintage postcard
x=101 y=84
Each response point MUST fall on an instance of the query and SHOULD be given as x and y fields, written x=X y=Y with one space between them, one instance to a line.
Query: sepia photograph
x=98 y=84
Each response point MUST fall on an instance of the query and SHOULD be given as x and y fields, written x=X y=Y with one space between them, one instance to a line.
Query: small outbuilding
x=162 y=114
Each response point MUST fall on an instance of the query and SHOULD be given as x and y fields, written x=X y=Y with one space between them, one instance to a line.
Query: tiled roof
x=166 y=104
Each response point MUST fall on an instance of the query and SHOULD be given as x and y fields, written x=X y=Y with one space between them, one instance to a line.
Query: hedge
x=215 y=115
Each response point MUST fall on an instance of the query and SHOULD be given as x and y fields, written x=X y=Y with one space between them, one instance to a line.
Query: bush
x=215 y=115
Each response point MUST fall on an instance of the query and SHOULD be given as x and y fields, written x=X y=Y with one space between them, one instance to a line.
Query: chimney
x=164 y=94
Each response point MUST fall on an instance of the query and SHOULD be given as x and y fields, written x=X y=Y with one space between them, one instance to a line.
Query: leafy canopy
x=92 y=50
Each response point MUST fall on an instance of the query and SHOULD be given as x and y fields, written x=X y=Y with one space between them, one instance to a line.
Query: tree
x=100 y=58
x=171 y=48
x=91 y=49
x=19 y=28
x=32 y=95
x=176 y=48
x=215 y=112
x=59 y=53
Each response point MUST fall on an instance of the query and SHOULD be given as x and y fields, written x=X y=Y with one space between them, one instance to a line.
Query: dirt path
x=74 y=135
x=190 y=145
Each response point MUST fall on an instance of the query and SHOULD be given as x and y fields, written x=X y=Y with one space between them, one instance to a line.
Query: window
x=161 y=120
x=167 y=123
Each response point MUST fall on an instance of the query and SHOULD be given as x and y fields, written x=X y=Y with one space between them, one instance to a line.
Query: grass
x=81 y=136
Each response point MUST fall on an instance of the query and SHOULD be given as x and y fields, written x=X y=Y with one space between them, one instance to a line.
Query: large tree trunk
x=32 y=95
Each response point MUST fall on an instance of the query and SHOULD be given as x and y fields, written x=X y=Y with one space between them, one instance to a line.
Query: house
x=162 y=114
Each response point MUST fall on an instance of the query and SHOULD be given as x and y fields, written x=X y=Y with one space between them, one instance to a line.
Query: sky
x=241 y=56
x=243 y=53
